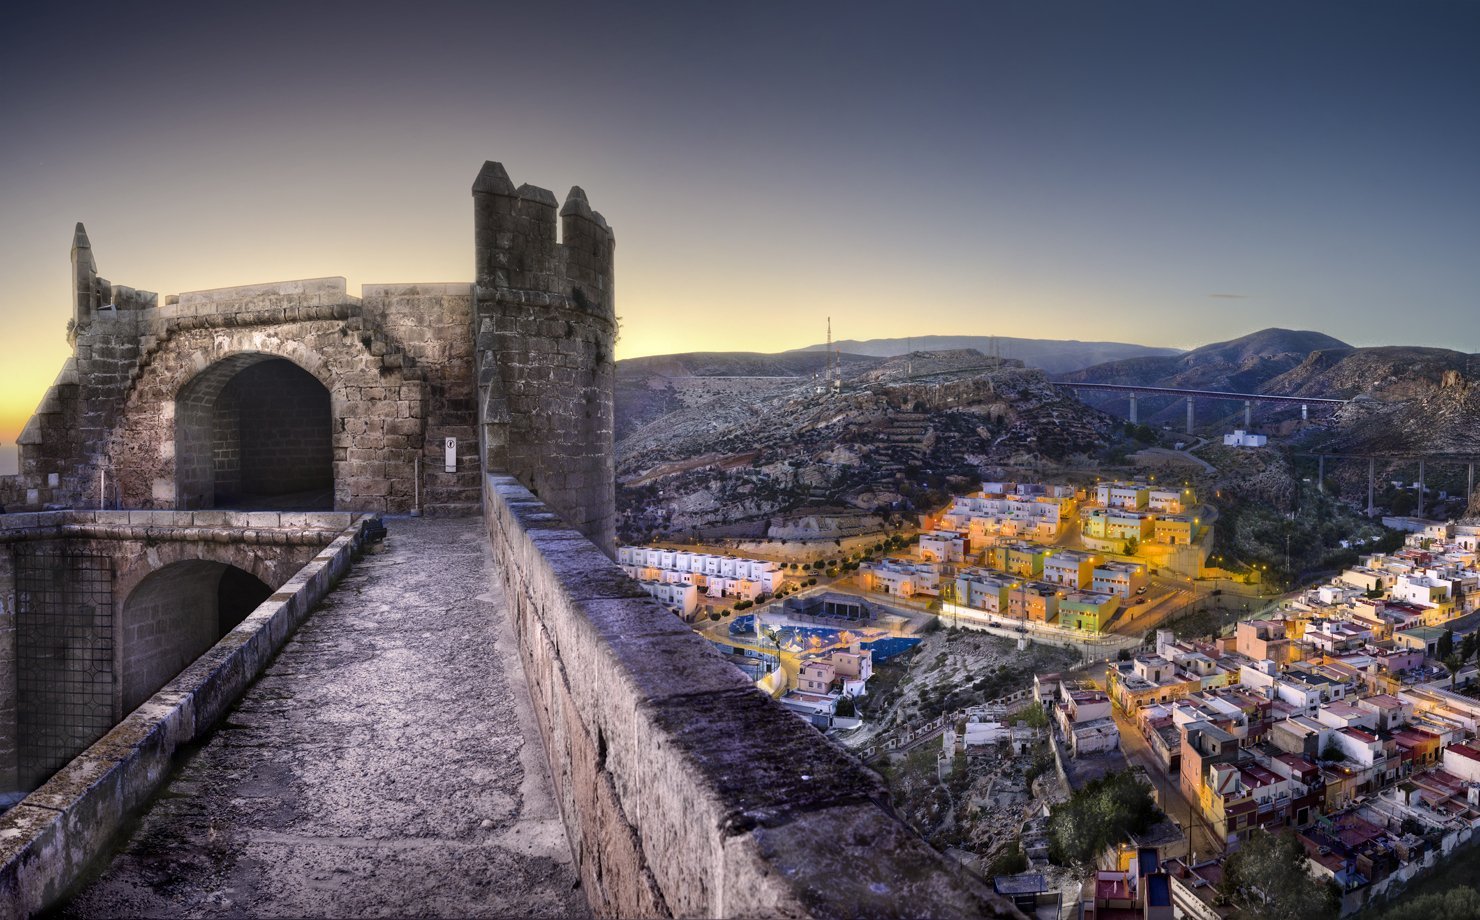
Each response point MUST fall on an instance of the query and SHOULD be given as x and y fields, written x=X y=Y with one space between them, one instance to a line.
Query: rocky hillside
x=785 y=460
x=650 y=388
x=1050 y=355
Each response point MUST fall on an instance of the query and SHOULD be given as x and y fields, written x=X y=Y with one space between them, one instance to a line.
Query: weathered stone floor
x=385 y=765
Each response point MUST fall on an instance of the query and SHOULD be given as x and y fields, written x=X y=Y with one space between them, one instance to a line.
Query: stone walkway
x=386 y=764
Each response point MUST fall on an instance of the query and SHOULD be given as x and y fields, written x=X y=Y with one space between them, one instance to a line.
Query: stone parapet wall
x=49 y=840
x=684 y=790
x=271 y=546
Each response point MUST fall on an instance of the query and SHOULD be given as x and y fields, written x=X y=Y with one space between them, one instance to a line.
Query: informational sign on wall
x=450 y=448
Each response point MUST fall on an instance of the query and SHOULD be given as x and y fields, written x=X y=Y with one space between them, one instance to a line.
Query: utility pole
x=948 y=593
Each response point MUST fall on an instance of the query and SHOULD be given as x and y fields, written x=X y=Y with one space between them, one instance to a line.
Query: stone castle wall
x=142 y=415
x=49 y=840
x=434 y=324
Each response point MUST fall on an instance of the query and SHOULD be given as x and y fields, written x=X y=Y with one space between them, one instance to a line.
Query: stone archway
x=254 y=431
x=377 y=413
x=173 y=616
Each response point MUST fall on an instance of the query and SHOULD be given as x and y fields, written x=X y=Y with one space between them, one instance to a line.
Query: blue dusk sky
x=1165 y=173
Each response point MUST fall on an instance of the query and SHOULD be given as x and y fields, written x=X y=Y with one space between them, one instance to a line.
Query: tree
x=1105 y=812
x=1459 y=903
x=1401 y=504
x=1446 y=645
x=1452 y=662
x=1467 y=647
x=1332 y=751
x=1266 y=877
x=846 y=707
x=1009 y=861
x=1131 y=545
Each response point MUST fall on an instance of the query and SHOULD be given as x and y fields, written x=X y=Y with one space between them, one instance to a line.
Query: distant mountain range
x=1421 y=398
x=754 y=444
x=1416 y=398
x=1244 y=365
x=1053 y=356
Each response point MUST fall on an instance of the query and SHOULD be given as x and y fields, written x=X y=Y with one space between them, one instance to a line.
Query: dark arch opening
x=255 y=432
x=174 y=616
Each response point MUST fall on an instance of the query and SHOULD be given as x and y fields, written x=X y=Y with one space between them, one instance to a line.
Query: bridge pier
x=1134 y=418
x=1420 y=487
x=1304 y=412
x=1189 y=415
x=1321 y=474
x=1371 y=486
x=1248 y=415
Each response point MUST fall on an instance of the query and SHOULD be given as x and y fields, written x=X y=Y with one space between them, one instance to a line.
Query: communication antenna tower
x=835 y=380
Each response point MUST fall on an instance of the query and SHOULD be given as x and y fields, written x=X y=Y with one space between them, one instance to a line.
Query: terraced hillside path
x=386 y=764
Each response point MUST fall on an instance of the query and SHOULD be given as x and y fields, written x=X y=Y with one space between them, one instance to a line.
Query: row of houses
x=677 y=579
x=701 y=565
x=1036 y=601
x=1142 y=496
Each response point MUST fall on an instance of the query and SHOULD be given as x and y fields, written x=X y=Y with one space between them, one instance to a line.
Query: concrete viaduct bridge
x=1248 y=399
x=486 y=717
x=1423 y=461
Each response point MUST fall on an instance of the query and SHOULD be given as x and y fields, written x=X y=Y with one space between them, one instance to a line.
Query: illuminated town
x=1342 y=711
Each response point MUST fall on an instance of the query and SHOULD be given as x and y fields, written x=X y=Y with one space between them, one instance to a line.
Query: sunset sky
x=1059 y=170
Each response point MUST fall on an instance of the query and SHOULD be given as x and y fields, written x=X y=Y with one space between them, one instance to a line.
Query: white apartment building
x=681 y=599
x=1121 y=579
x=1132 y=496
x=943 y=546
x=900 y=578
x=1467 y=537
x=719 y=576
x=1170 y=501
x=985 y=521
x=1423 y=589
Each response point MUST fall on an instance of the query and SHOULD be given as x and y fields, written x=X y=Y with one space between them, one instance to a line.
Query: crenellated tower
x=546 y=330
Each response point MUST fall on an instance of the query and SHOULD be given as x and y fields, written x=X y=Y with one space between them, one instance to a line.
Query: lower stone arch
x=172 y=616
x=254 y=430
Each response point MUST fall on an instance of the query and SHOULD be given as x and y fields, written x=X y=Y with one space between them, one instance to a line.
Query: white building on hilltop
x=1241 y=438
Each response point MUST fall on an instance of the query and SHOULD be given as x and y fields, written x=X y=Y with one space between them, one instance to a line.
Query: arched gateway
x=254 y=431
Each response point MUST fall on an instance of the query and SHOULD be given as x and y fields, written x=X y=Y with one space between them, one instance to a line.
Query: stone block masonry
x=684 y=790
x=546 y=331
x=48 y=840
x=188 y=404
x=47 y=710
